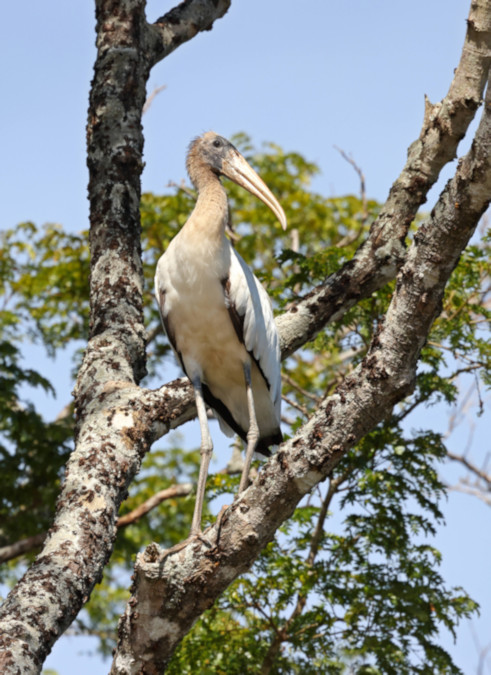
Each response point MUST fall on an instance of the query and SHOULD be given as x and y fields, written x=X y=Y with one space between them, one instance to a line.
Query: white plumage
x=217 y=315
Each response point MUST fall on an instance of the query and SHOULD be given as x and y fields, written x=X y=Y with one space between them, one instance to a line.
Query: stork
x=218 y=317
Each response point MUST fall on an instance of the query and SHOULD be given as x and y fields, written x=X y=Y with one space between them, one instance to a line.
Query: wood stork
x=216 y=314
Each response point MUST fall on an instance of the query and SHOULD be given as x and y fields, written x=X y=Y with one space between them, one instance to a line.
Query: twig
x=151 y=97
x=182 y=186
x=293 y=404
x=471 y=467
x=350 y=238
x=235 y=464
x=483 y=652
x=153 y=333
x=474 y=492
x=308 y=394
x=169 y=493
x=287 y=420
x=20 y=547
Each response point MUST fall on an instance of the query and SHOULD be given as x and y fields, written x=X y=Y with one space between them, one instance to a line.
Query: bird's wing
x=252 y=315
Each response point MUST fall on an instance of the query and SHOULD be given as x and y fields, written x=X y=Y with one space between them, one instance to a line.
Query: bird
x=218 y=317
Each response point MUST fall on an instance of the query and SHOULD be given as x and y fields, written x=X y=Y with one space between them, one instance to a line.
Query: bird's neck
x=210 y=213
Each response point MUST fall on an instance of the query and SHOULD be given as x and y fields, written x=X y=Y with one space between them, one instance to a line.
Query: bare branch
x=472 y=491
x=481 y=474
x=308 y=394
x=361 y=176
x=151 y=97
x=152 y=502
x=349 y=239
x=21 y=547
x=182 y=186
x=181 y=24
x=377 y=261
x=293 y=404
x=152 y=334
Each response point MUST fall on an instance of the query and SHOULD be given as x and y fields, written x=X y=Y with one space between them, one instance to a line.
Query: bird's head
x=212 y=152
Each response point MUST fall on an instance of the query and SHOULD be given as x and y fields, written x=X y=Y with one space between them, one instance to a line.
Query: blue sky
x=306 y=75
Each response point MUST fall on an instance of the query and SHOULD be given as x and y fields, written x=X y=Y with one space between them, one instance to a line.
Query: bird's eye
x=217 y=143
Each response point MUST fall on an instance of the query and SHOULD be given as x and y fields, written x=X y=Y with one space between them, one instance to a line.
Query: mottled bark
x=117 y=421
x=181 y=24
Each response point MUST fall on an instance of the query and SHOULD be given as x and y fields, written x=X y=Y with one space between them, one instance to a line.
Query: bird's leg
x=206 y=451
x=252 y=433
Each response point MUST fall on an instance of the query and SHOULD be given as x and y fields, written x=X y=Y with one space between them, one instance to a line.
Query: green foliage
x=358 y=591
x=32 y=451
x=45 y=275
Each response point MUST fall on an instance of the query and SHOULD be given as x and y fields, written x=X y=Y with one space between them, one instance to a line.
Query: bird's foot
x=193 y=536
x=176 y=548
x=199 y=535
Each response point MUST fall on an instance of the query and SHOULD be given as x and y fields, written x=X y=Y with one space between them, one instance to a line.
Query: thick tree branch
x=171 y=591
x=376 y=262
x=181 y=24
x=115 y=145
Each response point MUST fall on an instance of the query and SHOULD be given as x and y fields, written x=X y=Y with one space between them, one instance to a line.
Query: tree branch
x=350 y=238
x=472 y=491
x=150 y=98
x=171 y=591
x=478 y=473
x=181 y=24
x=378 y=259
x=21 y=547
x=152 y=502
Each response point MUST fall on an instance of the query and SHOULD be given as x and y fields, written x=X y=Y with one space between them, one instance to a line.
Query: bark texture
x=117 y=421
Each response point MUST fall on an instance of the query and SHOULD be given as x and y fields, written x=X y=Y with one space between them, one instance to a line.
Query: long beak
x=235 y=167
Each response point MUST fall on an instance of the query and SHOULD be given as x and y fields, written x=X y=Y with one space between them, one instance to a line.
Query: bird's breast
x=192 y=260
x=204 y=334
x=196 y=312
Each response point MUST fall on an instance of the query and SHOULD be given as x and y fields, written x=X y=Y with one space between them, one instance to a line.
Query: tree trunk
x=117 y=421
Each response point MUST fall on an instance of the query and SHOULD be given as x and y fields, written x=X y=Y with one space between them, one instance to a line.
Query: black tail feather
x=263 y=444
